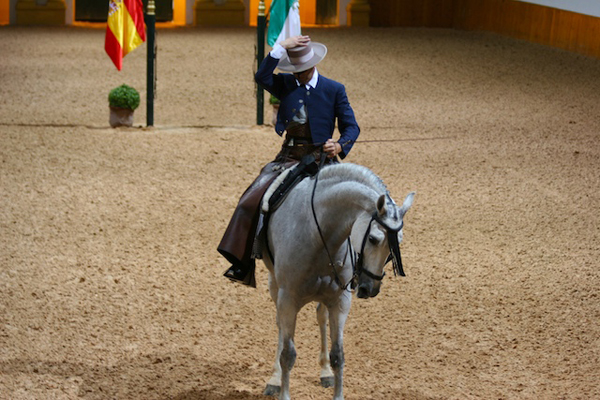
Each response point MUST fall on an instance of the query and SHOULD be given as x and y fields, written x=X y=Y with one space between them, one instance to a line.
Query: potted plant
x=274 y=101
x=122 y=101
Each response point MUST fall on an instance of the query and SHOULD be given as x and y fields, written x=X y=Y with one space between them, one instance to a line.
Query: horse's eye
x=373 y=240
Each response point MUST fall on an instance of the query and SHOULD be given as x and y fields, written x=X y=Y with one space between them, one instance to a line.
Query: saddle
x=286 y=181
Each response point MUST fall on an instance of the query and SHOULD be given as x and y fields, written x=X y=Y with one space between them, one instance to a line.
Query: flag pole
x=260 y=54
x=151 y=62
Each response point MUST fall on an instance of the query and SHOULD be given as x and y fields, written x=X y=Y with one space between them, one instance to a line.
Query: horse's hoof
x=327 y=382
x=272 y=390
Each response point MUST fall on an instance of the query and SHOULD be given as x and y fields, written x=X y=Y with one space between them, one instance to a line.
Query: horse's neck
x=340 y=205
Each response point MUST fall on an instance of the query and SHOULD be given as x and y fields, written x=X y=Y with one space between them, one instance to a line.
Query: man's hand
x=332 y=148
x=295 y=41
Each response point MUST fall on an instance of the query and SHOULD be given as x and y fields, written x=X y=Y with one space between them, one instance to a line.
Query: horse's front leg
x=326 y=372
x=337 y=320
x=287 y=312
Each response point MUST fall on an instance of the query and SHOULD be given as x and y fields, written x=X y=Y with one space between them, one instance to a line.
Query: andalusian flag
x=284 y=21
x=125 y=30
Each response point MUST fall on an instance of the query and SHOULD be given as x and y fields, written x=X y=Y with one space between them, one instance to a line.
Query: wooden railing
x=535 y=23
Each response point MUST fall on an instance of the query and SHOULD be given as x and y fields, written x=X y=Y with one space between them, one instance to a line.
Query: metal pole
x=151 y=62
x=260 y=54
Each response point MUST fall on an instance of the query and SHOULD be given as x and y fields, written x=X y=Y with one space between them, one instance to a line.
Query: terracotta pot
x=120 y=117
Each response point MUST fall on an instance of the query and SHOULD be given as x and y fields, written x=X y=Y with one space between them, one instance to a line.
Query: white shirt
x=278 y=51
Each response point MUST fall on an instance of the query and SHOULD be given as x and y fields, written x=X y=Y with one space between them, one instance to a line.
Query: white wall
x=587 y=7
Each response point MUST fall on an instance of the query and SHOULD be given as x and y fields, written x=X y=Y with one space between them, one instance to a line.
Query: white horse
x=334 y=231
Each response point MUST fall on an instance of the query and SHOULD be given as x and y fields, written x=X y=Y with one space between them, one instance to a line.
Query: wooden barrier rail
x=545 y=25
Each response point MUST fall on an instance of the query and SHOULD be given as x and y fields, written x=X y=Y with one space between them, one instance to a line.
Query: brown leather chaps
x=238 y=240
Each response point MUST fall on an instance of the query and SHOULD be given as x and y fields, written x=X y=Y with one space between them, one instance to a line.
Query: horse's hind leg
x=286 y=314
x=274 y=384
x=326 y=372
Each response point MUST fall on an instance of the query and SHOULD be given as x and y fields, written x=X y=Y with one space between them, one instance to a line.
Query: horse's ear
x=381 y=205
x=407 y=202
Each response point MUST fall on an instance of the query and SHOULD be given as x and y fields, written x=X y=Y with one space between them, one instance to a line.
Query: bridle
x=357 y=259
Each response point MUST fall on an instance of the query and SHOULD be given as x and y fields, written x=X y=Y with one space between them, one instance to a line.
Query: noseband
x=358 y=267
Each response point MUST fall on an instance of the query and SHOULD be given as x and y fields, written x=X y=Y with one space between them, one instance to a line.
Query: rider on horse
x=310 y=106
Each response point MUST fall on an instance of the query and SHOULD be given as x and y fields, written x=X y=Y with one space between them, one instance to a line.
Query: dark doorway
x=97 y=11
x=326 y=12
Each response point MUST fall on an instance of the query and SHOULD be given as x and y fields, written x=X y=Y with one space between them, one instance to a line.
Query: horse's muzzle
x=367 y=290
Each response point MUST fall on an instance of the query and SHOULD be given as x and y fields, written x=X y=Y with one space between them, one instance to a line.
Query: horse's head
x=376 y=238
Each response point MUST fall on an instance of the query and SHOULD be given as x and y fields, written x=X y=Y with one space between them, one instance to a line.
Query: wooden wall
x=532 y=22
x=415 y=13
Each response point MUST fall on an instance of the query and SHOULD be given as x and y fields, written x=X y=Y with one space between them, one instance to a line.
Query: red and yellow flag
x=125 y=30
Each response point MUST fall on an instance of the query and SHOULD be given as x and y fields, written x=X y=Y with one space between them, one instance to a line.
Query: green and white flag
x=284 y=21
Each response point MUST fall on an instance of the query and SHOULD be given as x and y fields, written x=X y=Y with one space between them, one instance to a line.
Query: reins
x=312 y=206
x=358 y=261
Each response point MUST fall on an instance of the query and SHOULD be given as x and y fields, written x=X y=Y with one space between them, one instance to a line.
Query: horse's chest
x=320 y=289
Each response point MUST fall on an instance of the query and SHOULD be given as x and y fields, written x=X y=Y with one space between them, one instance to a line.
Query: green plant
x=274 y=100
x=124 y=97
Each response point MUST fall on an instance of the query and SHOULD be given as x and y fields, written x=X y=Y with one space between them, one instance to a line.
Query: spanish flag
x=125 y=29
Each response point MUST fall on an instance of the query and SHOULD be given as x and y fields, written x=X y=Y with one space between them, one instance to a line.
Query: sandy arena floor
x=110 y=284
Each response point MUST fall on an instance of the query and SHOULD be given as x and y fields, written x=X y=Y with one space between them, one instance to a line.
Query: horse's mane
x=355 y=173
x=332 y=175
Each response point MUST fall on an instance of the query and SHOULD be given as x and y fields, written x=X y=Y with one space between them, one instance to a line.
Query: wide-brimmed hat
x=302 y=58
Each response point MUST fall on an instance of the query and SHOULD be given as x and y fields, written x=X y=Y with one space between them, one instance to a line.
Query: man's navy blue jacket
x=324 y=104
